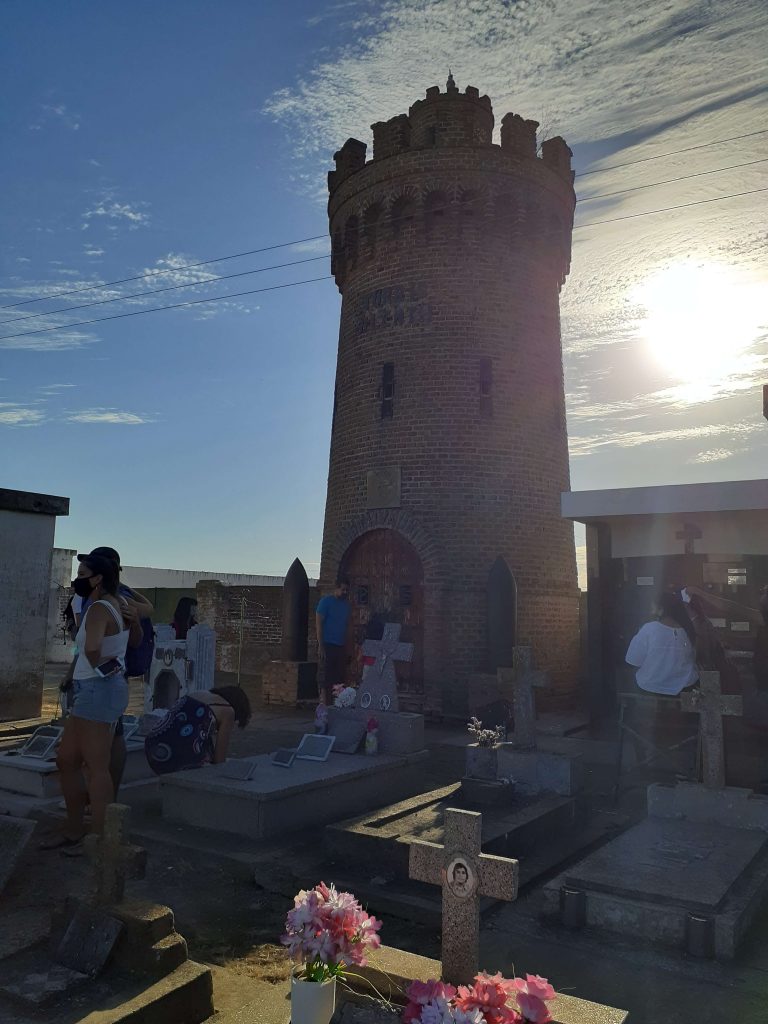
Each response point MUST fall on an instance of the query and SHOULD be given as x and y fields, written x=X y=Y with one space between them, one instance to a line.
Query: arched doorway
x=386 y=584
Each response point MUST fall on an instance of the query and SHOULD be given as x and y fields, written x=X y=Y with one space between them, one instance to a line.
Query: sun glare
x=700 y=321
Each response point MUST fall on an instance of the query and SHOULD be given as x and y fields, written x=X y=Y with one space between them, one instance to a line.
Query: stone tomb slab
x=15 y=833
x=33 y=777
x=280 y=800
x=671 y=860
x=541 y=832
x=647 y=882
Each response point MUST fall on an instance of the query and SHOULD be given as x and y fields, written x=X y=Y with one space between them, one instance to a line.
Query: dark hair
x=237 y=699
x=104 y=567
x=183 y=612
x=672 y=606
x=342 y=581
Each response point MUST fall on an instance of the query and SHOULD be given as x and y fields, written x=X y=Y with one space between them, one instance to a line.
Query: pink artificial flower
x=489 y=994
x=539 y=987
x=420 y=993
x=533 y=1009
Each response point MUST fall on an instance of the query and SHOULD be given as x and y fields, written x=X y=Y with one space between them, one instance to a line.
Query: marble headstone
x=378 y=687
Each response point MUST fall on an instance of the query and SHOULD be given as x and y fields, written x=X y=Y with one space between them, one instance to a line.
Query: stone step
x=161 y=958
x=145 y=923
x=185 y=996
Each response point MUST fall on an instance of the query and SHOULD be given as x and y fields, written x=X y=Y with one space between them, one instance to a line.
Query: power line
x=668 y=209
x=674 y=152
x=168 y=288
x=157 y=309
x=170 y=270
x=180 y=305
x=314 y=238
x=670 y=181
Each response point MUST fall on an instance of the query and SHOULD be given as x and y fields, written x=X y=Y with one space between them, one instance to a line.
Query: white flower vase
x=312 y=1002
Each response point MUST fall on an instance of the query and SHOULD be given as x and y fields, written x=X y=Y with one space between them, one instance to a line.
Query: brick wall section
x=219 y=606
x=448 y=250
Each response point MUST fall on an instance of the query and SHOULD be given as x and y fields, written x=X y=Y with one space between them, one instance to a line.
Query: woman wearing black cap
x=100 y=698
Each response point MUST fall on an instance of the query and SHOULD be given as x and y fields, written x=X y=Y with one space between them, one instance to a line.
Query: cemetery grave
x=694 y=874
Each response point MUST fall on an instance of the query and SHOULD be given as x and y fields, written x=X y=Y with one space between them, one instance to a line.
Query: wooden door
x=386 y=584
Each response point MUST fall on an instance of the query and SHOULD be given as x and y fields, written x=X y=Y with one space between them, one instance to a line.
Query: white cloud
x=90 y=250
x=713 y=455
x=12 y=415
x=108 y=416
x=56 y=341
x=115 y=213
x=620 y=85
x=56 y=114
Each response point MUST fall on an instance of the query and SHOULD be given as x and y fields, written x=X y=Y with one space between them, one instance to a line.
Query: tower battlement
x=450 y=119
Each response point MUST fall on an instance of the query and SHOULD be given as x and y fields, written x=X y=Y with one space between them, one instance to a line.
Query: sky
x=142 y=137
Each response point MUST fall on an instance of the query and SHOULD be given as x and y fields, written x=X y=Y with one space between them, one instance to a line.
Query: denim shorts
x=100 y=700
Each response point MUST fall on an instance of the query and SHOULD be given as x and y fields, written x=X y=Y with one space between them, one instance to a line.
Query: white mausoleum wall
x=723 y=533
x=27 y=524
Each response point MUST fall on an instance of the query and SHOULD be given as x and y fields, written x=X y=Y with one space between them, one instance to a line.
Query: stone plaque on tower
x=383 y=487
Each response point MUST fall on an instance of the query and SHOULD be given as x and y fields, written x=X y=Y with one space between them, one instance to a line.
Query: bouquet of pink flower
x=327 y=931
x=490 y=999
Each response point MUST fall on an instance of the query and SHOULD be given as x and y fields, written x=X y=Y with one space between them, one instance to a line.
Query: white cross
x=378 y=687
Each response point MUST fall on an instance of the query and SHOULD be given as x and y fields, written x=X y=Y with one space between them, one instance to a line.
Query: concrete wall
x=59 y=644
x=27 y=524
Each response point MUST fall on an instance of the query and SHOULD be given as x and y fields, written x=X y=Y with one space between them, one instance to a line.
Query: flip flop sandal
x=59 y=842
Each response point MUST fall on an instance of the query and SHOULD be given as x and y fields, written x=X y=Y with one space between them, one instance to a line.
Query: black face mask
x=82 y=586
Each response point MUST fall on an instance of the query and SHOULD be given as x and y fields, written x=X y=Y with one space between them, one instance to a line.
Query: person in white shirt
x=664 y=654
x=664 y=650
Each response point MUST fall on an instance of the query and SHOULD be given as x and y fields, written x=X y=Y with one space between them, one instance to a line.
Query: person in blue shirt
x=332 y=618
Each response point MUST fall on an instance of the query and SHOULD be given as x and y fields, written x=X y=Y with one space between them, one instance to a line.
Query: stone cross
x=464 y=874
x=113 y=858
x=690 y=533
x=710 y=704
x=378 y=687
x=522 y=679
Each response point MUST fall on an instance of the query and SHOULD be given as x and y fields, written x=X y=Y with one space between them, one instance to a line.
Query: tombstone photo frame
x=42 y=743
x=314 y=747
x=283 y=757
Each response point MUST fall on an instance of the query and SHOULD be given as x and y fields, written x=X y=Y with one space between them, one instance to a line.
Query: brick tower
x=449 y=448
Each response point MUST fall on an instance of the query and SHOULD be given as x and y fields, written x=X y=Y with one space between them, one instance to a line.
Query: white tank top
x=111 y=646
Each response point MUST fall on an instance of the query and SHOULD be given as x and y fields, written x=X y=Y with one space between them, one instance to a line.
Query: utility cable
x=674 y=152
x=157 y=309
x=167 y=288
x=670 y=181
x=196 y=302
x=668 y=209
x=170 y=270
x=315 y=238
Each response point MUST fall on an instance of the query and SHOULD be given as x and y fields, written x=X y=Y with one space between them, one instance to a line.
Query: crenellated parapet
x=450 y=120
x=349 y=159
x=437 y=175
